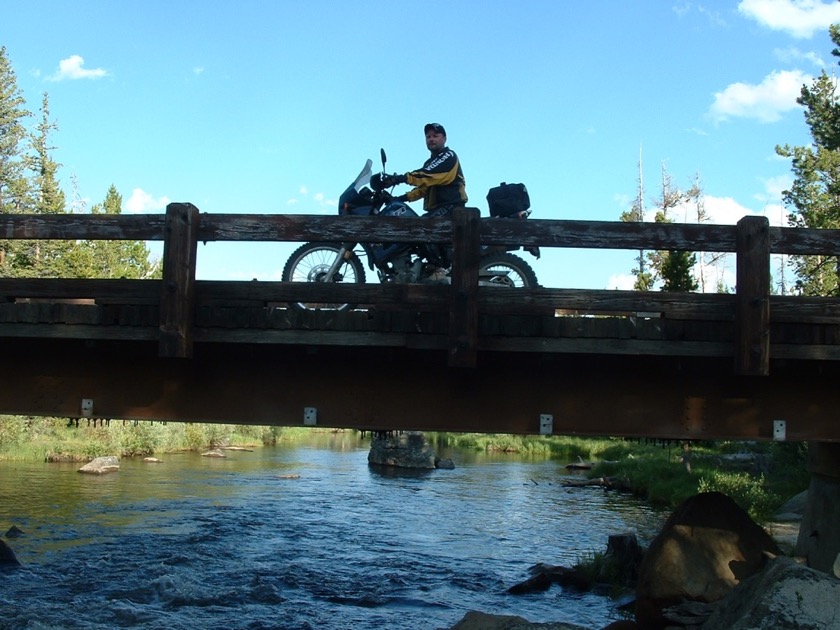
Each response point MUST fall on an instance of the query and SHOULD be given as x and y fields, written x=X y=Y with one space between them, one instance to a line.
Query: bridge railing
x=183 y=227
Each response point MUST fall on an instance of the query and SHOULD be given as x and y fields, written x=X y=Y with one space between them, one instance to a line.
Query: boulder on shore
x=704 y=550
x=101 y=465
x=786 y=594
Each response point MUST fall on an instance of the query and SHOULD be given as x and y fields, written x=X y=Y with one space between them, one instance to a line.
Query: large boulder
x=7 y=556
x=402 y=450
x=101 y=465
x=785 y=595
x=705 y=549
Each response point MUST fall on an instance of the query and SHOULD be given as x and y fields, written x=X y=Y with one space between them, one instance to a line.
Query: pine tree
x=49 y=196
x=636 y=214
x=29 y=184
x=814 y=197
x=116 y=259
x=673 y=267
x=695 y=198
x=44 y=259
x=14 y=187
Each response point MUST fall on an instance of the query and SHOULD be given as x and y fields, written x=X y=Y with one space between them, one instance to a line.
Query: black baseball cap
x=436 y=127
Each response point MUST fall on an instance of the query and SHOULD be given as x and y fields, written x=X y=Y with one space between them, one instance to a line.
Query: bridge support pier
x=819 y=533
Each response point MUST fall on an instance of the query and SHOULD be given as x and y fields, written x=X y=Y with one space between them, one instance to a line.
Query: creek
x=298 y=536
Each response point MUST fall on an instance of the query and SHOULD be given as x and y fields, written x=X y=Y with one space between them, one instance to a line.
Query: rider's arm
x=440 y=171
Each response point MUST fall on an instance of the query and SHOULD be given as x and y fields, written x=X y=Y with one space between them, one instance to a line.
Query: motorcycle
x=401 y=263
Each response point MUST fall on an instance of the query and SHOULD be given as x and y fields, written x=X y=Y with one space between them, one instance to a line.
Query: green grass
x=661 y=477
x=30 y=438
x=560 y=447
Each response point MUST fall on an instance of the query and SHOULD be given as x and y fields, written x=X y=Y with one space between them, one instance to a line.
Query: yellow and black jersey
x=439 y=183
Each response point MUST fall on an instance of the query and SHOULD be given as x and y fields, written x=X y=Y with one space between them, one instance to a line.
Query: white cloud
x=622 y=282
x=793 y=55
x=727 y=211
x=724 y=210
x=765 y=102
x=798 y=18
x=775 y=186
x=72 y=69
x=313 y=202
x=141 y=201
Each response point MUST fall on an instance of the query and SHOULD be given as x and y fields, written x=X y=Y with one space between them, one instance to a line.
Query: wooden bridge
x=464 y=357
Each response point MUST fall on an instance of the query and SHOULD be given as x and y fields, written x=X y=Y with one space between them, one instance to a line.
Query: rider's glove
x=380 y=181
x=392 y=180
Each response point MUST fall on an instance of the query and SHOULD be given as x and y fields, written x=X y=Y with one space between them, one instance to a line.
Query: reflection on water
x=236 y=543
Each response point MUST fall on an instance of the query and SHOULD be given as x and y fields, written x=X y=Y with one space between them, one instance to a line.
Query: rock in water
x=7 y=556
x=404 y=450
x=101 y=465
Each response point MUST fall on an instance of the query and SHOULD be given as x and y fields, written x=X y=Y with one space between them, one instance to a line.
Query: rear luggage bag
x=508 y=200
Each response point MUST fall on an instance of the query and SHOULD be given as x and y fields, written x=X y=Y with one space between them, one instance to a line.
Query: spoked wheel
x=312 y=261
x=506 y=270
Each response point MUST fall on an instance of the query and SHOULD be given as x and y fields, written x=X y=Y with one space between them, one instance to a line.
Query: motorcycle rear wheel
x=506 y=270
x=310 y=263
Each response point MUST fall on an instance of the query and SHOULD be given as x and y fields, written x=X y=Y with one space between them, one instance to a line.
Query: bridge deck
x=416 y=316
x=447 y=358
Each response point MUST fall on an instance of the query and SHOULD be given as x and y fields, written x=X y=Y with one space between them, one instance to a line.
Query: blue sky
x=273 y=106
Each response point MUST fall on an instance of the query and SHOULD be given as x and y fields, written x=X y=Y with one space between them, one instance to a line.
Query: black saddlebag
x=508 y=200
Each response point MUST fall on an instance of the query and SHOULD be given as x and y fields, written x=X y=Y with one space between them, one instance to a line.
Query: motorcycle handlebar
x=381 y=181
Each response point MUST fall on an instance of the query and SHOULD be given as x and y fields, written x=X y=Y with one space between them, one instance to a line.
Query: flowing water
x=244 y=542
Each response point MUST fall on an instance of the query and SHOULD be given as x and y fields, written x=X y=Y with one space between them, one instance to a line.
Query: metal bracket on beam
x=310 y=416
x=546 y=424
x=87 y=407
x=779 y=430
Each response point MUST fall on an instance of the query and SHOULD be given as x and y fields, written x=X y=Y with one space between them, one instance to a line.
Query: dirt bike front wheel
x=505 y=270
x=312 y=261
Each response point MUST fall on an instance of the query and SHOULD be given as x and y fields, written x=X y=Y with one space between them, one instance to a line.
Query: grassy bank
x=760 y=478
x=28 y=438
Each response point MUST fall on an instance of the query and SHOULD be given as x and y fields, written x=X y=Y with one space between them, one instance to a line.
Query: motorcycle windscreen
x=363 y=178
x=357 y=199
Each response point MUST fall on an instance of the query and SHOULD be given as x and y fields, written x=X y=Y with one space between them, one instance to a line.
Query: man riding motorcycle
x=439 y=182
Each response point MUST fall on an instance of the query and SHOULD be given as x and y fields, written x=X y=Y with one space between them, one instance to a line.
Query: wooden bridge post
x=463 y=314
x=177 y=300
x=752 y=305
x=819 y=532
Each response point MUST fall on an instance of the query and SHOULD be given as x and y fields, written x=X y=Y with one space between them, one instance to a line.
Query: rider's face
x=435 y=141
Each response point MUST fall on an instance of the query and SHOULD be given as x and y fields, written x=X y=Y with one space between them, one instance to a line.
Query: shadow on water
x=393 y=472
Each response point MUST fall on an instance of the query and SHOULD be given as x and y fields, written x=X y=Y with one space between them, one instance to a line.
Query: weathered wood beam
x=109 y=227
x=463 y=318
x=752 y=313
x=177 y=301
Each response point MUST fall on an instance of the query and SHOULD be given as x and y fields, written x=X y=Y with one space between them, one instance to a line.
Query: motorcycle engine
x=405 y=269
